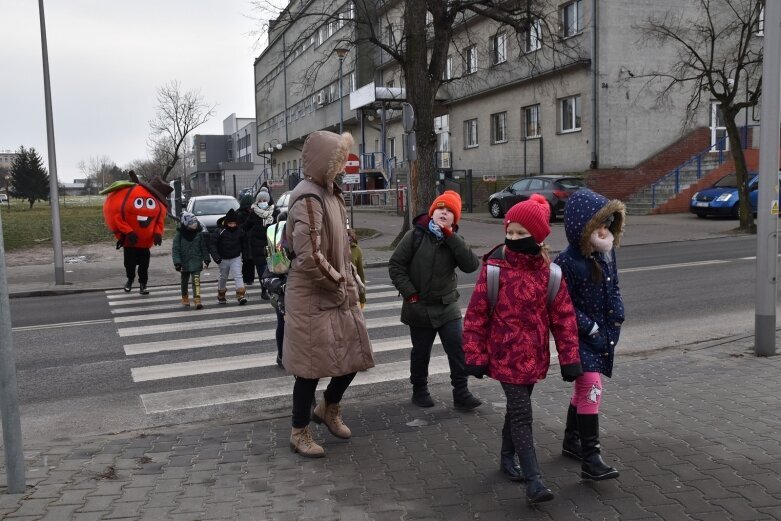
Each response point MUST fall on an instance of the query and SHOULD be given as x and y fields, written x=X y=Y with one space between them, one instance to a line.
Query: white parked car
x=209 y=208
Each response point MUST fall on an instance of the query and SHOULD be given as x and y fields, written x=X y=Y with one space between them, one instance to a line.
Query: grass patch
x=81 y=223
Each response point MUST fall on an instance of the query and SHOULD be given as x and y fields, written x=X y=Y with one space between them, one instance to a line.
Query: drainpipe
x=284 y=78
x=594 y=85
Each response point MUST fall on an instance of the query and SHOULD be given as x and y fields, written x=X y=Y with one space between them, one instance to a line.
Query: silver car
x=209 y=208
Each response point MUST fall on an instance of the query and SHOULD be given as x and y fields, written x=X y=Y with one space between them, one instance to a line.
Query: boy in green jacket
x=423 y=269
x=190 y=255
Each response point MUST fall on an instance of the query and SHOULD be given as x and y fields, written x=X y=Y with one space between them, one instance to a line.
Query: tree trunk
x=31 y=201
x=741 y=173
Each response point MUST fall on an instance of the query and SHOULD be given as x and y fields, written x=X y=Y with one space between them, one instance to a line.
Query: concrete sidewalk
x=101 y=266
x=695 y=435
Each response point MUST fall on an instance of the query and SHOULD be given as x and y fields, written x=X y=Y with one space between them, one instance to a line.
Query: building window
x=531 y=122
x=569 y=111
x=499 y=49
x=470 y=133
x=532 y=38
x=390 y=153
x=390 y=40
x=447 y=74
x=571 y=18
x=499 y=128
x=470 y=57
x=761 y=21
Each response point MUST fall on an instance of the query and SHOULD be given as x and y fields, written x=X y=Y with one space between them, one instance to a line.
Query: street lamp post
x=341 y=53
x=270 y=147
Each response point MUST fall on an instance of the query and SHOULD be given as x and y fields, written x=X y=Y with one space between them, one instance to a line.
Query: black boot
x=128 y=286
x=507 y=462
x=142 y=289
x=536 y=491
x=593 y=467
x=571 y=446
x=421 y=396
x=463 y=400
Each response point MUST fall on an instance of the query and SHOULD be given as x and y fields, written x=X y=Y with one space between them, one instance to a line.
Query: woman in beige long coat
x=325 y=333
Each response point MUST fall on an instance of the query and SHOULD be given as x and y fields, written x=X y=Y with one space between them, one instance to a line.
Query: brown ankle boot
x=198 y=304
x=186 y=301
x=330 y=414
x=241 y=296
x=301 y=442
x=221 y=296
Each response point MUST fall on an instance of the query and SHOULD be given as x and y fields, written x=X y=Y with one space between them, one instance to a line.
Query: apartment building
x=224 y=163
x=560 y=97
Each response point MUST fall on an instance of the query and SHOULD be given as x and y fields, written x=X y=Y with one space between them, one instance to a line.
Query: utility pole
x=767 y=204
x=9 y=404
x=54 y=197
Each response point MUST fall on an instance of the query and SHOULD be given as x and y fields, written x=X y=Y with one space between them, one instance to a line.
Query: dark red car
x=555 y=188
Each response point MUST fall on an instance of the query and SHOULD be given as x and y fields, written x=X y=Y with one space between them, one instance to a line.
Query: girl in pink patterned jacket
x=509 y=340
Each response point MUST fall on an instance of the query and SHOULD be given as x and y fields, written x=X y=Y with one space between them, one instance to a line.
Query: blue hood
x=584 y=212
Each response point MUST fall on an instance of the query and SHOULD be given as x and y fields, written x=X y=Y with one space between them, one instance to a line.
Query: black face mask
x=525 y=245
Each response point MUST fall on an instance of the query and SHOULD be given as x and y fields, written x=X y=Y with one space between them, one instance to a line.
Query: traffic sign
x=353 y=165
x=352 y=179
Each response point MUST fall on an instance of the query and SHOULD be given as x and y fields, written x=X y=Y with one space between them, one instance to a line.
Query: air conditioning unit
x=321 y=98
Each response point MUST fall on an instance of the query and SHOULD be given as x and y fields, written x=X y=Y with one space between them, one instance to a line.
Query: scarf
x=266 y=216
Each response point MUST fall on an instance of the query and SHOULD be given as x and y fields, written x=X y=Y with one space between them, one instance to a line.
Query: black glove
x=478 y=371
x=206 y=264
x=570 y=372
x=178 y=267
x=217 y=261
x=131 y=238
x=158 y=239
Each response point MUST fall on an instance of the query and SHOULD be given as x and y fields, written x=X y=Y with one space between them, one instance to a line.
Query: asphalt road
x=75 y=356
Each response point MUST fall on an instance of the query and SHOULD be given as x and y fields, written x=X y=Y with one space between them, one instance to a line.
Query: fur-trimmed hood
x=324 y=156
x=584 y=213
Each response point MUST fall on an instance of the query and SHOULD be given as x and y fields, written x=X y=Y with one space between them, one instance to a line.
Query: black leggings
x=519 y=416
x=304 y=396
x=196 y=283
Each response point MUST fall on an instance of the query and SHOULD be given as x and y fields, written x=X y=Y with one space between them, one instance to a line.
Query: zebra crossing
x=184 y=359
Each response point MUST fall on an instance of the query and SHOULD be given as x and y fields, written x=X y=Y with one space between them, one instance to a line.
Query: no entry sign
x=353 y=165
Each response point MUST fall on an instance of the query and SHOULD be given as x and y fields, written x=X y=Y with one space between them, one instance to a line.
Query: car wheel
x=495 y=208
x=701 y=215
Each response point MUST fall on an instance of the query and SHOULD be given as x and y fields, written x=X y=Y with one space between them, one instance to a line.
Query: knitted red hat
x=449 y=199
x=533 y=214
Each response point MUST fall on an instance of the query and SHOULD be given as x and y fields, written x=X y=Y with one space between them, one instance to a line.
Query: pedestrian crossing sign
x=774 y=207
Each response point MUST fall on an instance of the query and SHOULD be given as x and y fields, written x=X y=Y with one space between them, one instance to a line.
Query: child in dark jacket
x=509 y=341
x=190 y=255
x=593 y=225
x=229 y=247
x=423 y=269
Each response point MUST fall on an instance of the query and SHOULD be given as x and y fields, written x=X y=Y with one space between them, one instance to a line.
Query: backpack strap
x=492 y=280
x=554 y=282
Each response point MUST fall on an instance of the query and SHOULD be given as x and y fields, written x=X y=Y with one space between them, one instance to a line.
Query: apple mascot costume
x=135 y=213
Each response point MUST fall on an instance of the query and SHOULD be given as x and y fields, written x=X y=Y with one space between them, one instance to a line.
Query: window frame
x=577 y=7
x=467 y=124
x=536 y=29
x=577 y=120
x=498 y=57
x=525 y=123
x=447 y=73
x=470 y=57
x=495 y=118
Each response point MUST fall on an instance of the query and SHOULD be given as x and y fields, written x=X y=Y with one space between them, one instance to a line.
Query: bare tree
x=178 y=114
x=719 y=57
x=419 y=35
x=97 y=169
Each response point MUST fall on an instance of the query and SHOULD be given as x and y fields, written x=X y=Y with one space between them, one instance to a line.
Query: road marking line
x=176 y=291
x=191 y=312
x=669 y=266
x=63 y=324
x=271 y=387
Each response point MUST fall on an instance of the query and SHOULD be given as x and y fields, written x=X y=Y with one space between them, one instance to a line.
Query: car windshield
x=214 y=206
x=728 y=181
x=572 y=183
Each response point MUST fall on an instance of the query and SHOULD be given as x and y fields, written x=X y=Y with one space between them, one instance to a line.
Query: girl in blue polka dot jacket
x=593 y=225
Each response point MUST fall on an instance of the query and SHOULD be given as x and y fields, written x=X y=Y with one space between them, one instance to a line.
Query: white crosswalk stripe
x=226 y=354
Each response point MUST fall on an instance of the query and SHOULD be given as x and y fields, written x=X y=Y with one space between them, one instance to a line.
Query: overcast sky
x=106 y=60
